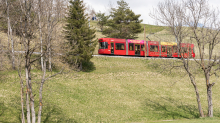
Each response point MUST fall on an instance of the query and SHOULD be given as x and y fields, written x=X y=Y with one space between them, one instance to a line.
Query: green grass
x=114 y=90
x=152 y=28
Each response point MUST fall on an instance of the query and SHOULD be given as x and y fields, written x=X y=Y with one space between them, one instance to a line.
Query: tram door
x=169 y=51
x=137 y=49
x=112 y=48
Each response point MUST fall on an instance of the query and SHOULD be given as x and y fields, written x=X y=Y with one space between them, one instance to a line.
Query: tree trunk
x=49 y=34
x=27 y=97
x=22 y=93
x=197 y=96
x=22 y=107
x=10 y=37
x=50 y=59
x=8 y=23
x=80 y=67
x=209 y=94
x=22 y=102
x=41 y=40
x=1 y=54
x=40 y=93
x=209 y=97
x=31 y=98
x=49 y=47
x=12 y=49
x=29 y=89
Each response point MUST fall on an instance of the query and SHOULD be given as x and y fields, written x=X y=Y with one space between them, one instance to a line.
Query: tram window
x=142 y=47
x=174 y=49
x=131 y=46
x=153 y=48
x=103 y=45
x=163 y=49
x=119 y=46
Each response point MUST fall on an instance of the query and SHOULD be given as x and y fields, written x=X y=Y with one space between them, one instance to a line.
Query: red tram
x=133 y=47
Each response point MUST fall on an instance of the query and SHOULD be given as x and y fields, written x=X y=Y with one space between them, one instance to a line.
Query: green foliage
x=80 y=44
x=102 y=20
x=123 y=22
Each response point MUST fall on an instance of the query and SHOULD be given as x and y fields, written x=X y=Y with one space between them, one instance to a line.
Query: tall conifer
x=80 y=44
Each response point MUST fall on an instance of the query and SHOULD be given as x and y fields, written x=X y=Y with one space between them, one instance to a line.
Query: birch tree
x=10 y=37
x=40 y=31
x=28 y=27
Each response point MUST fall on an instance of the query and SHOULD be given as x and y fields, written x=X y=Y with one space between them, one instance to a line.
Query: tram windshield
x=103 y=45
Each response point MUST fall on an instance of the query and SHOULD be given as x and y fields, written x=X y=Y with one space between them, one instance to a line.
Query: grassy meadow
x=114 y=89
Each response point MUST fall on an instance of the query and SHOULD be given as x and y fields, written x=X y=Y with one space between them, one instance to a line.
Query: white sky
x=143 y=7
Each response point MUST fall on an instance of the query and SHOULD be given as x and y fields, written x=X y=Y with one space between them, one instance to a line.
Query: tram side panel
x=119 y=47
x=139 y=47
x=153 y=49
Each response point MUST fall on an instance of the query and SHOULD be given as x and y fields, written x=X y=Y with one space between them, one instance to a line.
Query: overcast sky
x=143 y=7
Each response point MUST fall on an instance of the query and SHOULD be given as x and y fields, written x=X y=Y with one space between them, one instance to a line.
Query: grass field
x=114 y=90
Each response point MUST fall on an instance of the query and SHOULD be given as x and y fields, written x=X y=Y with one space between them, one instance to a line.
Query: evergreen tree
x=123 y=22
x=80 y=44
x=102 y=20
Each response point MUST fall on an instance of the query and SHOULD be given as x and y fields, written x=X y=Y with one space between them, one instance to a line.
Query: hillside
x=114 y=90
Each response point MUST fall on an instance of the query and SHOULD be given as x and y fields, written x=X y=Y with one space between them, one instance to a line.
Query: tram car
x=131 y=47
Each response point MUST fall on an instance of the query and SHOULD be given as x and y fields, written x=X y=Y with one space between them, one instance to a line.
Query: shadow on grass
x=217 y=113
x=168 y=108
x=3 y=108
x=50 y=113
x=88 y=66
x=55 y=115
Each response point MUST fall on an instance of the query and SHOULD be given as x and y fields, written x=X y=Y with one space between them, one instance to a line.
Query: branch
x=178 y=80
x=54 y=74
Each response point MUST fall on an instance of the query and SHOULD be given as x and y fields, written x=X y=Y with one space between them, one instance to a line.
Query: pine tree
x=123 y=22
x=80 y=44
x=102 y=20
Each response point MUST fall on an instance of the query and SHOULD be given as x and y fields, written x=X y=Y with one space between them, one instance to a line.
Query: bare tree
x=52 y=11
x=194 y=19
x=28 y=27
x=10 y=37
x=206 y=37
x=40 y=31
x=27 y=33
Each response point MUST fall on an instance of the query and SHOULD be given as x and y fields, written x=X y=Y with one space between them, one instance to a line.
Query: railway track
x=165 y=58
x=138 y=57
